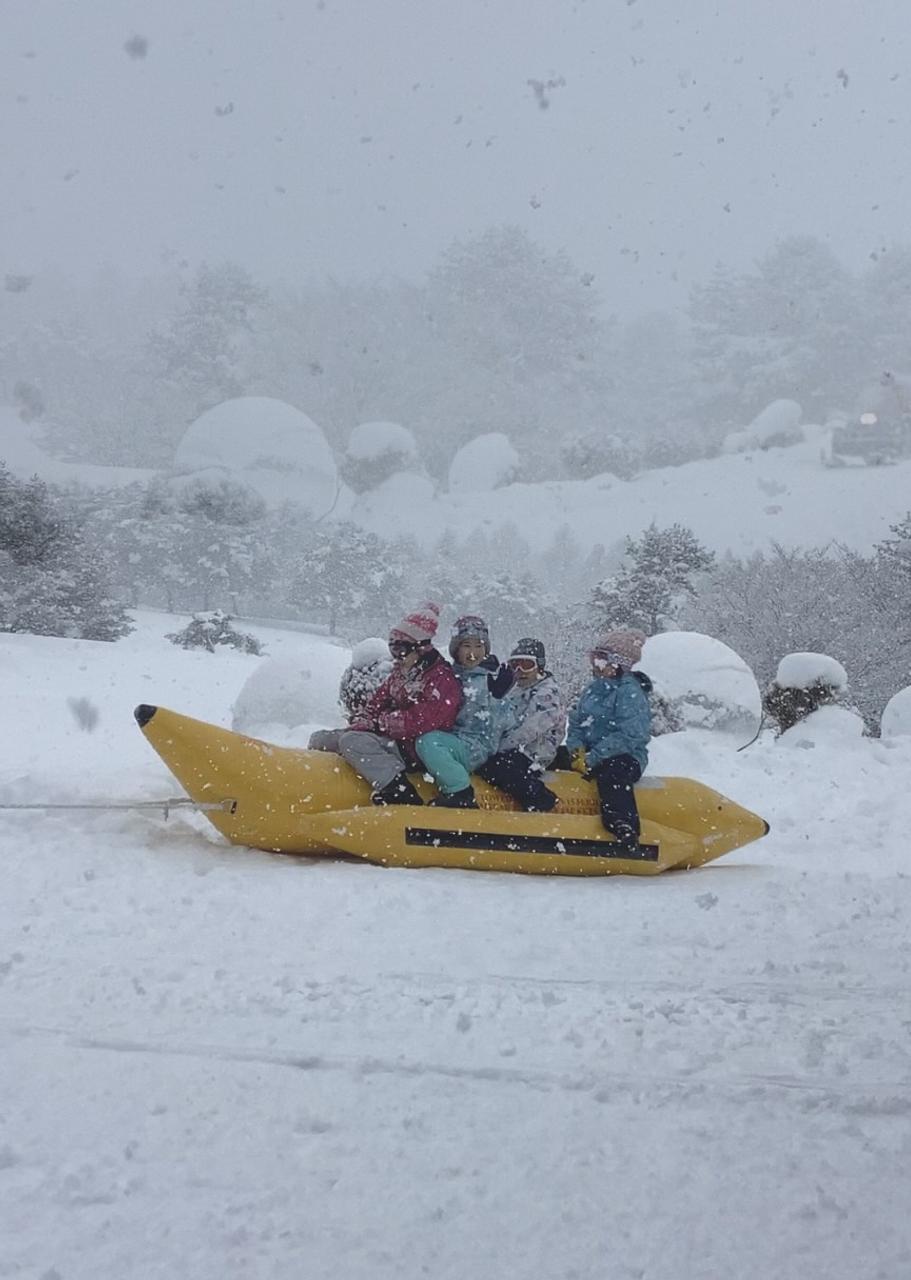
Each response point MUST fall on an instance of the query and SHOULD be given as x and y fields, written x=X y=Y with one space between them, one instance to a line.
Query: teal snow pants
x=449 y=759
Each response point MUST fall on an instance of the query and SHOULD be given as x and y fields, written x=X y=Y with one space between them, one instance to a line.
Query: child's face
x=470 y=652
x=601 y=668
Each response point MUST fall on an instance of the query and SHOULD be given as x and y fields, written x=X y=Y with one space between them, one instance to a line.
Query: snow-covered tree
x=803 y=683
x=788 y=329
x=203 y=349
x=820 y=600
x=31 y=524
x=659 y=574
x=347 y=575
x=53 y=580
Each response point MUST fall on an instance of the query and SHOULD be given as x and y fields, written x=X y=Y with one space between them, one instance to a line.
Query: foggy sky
x=359 y=137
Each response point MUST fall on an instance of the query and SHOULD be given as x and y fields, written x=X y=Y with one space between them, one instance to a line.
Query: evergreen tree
x=658 y=577
x=31 y=526
x=203 y=349
x=53 y=581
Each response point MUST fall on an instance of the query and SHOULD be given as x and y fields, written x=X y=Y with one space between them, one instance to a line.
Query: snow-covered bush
x=370 y=664
x=803 y=683
x=208 y=630
x=377 y=450
x=896 y=720
x=592 y=453
x=777 y=424
x=488 y=462
x=704 y=684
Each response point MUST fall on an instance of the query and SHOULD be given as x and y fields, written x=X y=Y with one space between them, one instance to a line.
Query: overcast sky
x=649 y=138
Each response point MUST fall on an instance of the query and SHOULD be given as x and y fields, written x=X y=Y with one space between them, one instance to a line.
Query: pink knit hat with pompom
x=420 y=625
x=620 y=648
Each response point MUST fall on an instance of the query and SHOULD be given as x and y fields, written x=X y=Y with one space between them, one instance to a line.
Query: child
x=452 y=757
x=609 y=732
x=528 y=747
x=420 y=694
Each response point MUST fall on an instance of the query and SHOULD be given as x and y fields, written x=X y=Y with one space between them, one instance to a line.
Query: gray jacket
x=541 y=720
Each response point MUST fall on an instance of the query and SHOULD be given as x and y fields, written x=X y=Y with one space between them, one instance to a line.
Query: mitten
x=501 y=683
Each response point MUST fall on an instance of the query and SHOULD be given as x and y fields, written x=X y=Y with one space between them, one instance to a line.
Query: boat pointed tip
x=143 y=714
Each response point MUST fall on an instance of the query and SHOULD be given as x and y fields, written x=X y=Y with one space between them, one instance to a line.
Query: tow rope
x=176 y=802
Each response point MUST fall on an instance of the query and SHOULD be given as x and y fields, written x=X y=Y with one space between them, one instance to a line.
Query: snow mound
x=826 y=727
x=373 y=439
x=485 y=463
x=267 y=444
x=403 y=490
x=778 y=423
x=21 y=451
x=780 y=418
x=802 y=670
x=283 y=693
x=896 y=718
x=706 y=684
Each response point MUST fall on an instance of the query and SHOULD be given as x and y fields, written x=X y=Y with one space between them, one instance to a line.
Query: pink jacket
x=409 y=703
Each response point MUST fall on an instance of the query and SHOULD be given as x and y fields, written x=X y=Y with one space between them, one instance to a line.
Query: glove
x=389 y=724
x=501 y=683
x=563 y=759
x=578 y=761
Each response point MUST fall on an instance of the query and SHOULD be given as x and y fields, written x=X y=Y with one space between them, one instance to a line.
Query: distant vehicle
x=880 y=435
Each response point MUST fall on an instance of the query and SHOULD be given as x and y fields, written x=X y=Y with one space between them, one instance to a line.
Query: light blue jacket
x=611 y=718
x=482 y=718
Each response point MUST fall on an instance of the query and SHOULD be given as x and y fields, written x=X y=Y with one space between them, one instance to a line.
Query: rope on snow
x=178 y=802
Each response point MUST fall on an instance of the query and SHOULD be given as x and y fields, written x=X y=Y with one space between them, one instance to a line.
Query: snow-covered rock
x=373 y=439
x=706 y=684
x=896 y=717
x=282 y=693
x=376 y=451
x=802 y=670
x=828 y=726
x=779 y=423
x=780 y=418
x=485 y=463
x=267 y=444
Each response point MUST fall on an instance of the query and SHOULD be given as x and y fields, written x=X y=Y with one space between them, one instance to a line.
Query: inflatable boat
x=287 y=800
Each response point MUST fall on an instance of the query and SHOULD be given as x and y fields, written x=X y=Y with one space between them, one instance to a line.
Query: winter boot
x=543 y=801
x=627 y=838
x=457 y=800
x=398 y=791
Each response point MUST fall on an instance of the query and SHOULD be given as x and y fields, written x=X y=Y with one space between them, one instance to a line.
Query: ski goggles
x=401 y=648
x=602 y=658
x=523 y=664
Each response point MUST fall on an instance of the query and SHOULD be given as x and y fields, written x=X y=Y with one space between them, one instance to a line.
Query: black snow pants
x=614 y=779
x=517 y=775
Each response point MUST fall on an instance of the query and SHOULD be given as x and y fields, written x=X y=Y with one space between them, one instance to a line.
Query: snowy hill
x=217 y=1062
x=740 y=503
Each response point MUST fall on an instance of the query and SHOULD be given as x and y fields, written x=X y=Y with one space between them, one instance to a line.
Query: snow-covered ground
x=220 y=1063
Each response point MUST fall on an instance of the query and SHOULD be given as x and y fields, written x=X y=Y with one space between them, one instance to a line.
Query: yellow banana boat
x=288 y=800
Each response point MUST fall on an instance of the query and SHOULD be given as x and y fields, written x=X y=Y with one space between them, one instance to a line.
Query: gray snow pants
x=375 y=758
